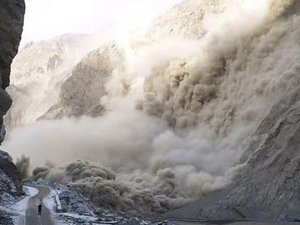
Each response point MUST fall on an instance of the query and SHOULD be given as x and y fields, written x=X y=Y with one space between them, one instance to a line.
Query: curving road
x=32 y=217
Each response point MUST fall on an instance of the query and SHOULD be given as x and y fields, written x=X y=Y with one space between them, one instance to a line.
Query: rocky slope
x=267 y=188
x=8 y=194
x=81 y=93
x=40 y=69
x=184 y=20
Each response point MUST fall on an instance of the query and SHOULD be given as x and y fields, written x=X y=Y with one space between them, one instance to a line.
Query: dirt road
x=32 y=217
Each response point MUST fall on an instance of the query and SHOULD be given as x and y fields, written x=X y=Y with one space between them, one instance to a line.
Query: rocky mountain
x=59 y=64
x=81 y=93
x=204 y=106
x=39 y=71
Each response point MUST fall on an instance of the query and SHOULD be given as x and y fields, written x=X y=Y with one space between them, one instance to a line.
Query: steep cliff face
x=11 y=18
x=38 y=72
x=267 y=187
x=81 y=93
x=11 y=25
x=14 y=176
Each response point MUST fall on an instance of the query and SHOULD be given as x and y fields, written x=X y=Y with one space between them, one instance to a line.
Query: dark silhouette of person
x=40 y=209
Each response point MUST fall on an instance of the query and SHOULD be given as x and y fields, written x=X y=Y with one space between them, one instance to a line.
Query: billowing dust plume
x=23 y=165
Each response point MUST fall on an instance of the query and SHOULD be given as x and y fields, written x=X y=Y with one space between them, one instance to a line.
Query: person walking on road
x=40 y=209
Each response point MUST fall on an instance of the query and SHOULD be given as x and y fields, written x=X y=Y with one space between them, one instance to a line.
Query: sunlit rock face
x=184 y=20
x=11 y=18
x=46 y=57
x=39 y=72
x=81 y=93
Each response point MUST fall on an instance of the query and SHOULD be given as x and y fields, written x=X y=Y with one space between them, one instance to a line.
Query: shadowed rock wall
x=11 y=26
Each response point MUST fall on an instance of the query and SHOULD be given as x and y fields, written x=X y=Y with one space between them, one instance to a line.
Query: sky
x=46 y=19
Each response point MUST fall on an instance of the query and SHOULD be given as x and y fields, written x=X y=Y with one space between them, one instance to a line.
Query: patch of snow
x=86 y=218
x=30 y=191
x=18 y=220
x=58 y=203
x=52 y=201
x=5 y=209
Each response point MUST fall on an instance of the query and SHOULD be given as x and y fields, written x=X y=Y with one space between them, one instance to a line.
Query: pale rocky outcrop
x=184 y=20
x=81 y=93
x=38 y=72
x=64 y=76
